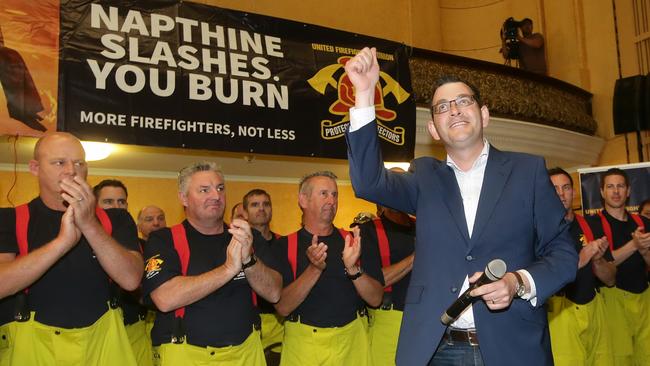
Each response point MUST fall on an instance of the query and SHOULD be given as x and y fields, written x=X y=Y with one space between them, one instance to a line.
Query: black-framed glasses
x=461 y=101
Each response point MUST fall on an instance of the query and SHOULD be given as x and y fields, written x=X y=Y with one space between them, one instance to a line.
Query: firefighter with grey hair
x=205 y=276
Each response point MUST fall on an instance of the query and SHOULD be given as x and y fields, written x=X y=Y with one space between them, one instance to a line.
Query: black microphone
x=494 y=271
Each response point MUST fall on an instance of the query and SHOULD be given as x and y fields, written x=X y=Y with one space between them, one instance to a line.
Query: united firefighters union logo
x=583 y=240
x=345 y=91
x=153 y=266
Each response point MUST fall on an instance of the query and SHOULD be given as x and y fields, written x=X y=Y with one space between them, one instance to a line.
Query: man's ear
x=432 y=130
x=183 y=198
x=33 y=167
x=485 y=116
x=302 y=200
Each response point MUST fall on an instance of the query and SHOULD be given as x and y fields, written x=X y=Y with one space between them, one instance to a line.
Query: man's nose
x=453 y=108
x=216 y=194
x=68 y=169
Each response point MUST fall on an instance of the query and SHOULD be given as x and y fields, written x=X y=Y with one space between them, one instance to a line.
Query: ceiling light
x=97 y=150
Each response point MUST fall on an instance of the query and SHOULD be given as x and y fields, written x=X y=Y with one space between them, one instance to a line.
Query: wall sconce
x=97 y=150
x=396 y=164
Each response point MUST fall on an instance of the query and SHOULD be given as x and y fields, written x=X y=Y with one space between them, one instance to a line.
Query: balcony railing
x=509 y=92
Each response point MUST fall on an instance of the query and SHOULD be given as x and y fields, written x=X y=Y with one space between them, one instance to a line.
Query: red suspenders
x=22 y=224
x=292 y=249
x=182 y=247
x=607 y=228
x=384 y=247
x=638 y=221
x=589 y=235
x=104 y=220
x=292 y=252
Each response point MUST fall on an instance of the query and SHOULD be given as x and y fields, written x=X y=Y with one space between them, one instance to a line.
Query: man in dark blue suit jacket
x=478 y=205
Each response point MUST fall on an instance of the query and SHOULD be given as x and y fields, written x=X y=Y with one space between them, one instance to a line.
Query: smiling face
x=205 y=196
x=460 y=127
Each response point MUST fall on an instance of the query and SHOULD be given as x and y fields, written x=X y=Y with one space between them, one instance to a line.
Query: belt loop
x=115 y=296
x=447 y=337
x=178 y=331
x=362 y=311
x=21 y=313
x=387 y=301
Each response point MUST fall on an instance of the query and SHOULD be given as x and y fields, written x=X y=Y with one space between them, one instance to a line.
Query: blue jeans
x=457 y=354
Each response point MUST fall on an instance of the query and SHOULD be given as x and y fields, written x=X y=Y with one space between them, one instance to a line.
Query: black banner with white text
x=179 y=74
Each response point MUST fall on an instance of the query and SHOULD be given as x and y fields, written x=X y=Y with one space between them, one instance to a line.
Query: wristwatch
x=520 y=290
x=251 y=262
x=355 y=275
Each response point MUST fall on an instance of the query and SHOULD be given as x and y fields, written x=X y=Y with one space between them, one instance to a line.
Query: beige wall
x=162 y=192
x=599 y=68
x=389 y=19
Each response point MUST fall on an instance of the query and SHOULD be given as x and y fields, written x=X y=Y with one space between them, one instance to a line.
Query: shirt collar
x=480 y=160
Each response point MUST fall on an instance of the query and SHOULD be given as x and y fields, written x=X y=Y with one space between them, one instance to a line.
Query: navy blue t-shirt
x=223 y=318
x=631 y=274
x=75 y=291
x=333 y=301
x=401 y=241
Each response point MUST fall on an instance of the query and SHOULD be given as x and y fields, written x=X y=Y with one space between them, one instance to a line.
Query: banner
x=179 y=74
x=29 y=35
x=639 y=178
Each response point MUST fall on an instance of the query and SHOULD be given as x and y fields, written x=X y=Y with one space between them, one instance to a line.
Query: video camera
x=510 y=44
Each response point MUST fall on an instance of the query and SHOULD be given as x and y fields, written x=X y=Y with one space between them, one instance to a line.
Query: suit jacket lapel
x=496 y=174
x=452 y=198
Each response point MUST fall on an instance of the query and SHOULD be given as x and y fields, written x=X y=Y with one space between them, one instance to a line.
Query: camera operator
x=531 y=48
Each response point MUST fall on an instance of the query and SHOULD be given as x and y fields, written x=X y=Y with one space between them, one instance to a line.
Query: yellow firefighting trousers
x=383 y=332
x=104 y=343
x=579 y=333
x=272 y=331
x=249 y=353
x=628 y=317
x=306 y=345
